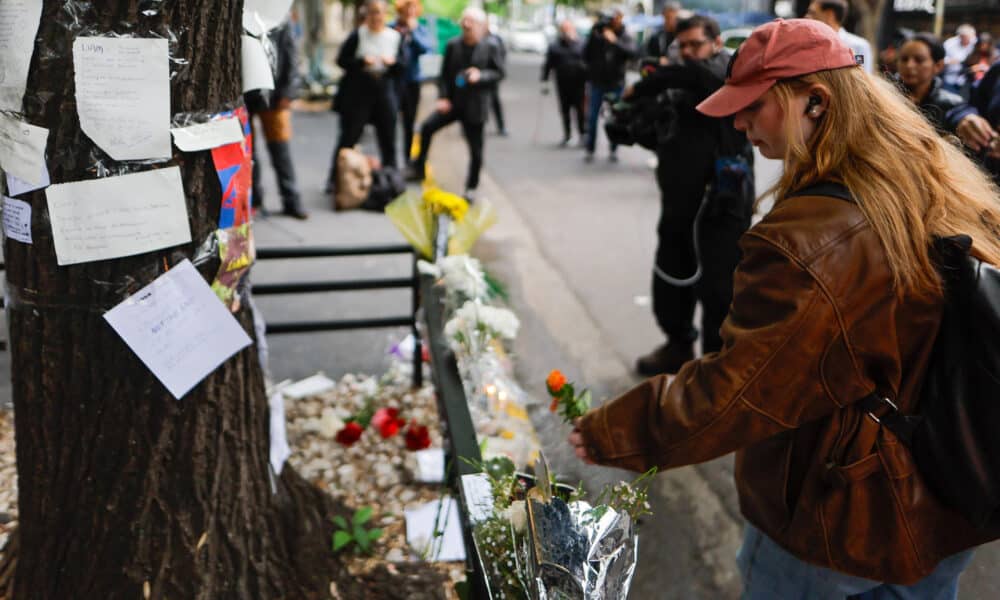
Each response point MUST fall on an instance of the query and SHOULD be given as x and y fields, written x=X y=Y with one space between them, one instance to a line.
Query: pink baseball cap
x=774 y=51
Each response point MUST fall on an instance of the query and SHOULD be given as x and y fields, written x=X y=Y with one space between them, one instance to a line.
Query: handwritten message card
x=178 y=328
x=205 y=136
x=22 y=149
x=18 y=27
x=107 y=218
x=17 y=220
x=123 y=95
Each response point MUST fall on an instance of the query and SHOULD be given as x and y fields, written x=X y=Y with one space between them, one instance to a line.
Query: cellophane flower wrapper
x=410 y=216
x=481 y=216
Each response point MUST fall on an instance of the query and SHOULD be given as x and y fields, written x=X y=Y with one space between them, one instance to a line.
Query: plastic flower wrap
x=481 y=216
x=475 y=325
x=461 y=275
x=412 y=218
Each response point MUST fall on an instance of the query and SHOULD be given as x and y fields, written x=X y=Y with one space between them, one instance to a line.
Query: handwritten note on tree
x=112 y=217
x=123 y=95
x=18 y=26
x=178 y=328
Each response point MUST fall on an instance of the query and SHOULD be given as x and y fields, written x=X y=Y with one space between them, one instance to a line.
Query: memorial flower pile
x=387 y=422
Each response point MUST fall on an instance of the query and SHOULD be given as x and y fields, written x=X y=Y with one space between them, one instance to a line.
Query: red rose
x=387 y=421
x=417 y=437
x=349 y=434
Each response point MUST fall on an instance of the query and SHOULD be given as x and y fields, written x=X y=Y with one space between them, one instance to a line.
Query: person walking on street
x=415 y=40
x=837 y=297
x=980 y=60
x=608 y=49
x=371 y=60
x=275 y=115
x=565 y=58
x=495 y=103
x=698 y=233
x=833 y=13
x=956 y=50
x=658 y=48
x=471 y=64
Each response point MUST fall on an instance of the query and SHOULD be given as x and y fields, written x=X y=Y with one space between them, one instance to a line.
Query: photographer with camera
x=608 y=49
x=705 y=177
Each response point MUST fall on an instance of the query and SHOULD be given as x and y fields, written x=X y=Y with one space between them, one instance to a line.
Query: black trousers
x=471 y=130
x=497 y=108
x=571 y=98
x=409 y=102
x=380 y=111
x=683 y=172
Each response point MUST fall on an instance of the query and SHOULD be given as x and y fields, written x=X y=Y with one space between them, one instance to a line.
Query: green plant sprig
x=355 y=532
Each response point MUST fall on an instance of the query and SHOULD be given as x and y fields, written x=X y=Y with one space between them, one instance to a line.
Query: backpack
x=952 y=435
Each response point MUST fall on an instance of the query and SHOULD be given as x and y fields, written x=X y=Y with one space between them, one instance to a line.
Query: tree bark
x=122 y=488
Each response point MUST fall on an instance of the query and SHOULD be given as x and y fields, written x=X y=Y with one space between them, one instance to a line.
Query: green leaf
x=362 y=515
x=374 y=534
x=462 y=589
x=341 y=522
x=363 y=543
x=341 y=539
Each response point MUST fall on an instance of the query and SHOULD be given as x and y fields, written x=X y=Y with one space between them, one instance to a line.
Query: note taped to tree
x=123 y=95
x=112 y=217
x=261 y=16
x=257 y=73
x=205 y=136
x=18 y=26
x=17 y=220
x=22 y=149
x=178 y=328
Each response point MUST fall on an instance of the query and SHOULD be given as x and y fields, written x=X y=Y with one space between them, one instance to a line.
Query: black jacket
x=689 y=83
x=942 y=107
x=471 y=100
x=659 y=43
x=565 y=57
x=606 y=60
x=358 y=86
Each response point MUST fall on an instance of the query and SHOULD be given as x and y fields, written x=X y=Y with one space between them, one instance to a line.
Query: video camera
x=647 y=121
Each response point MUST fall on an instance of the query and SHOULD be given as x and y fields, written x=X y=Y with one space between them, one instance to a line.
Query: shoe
x=295 y=212
x=413 y=174
x=503 y=133
x=613 y=157
x=666 y=359
x=588 y=157
x=470 y=196
x=564 y=143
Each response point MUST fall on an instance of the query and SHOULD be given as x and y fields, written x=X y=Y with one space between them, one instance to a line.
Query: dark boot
x=666 y=359
x=284 y=170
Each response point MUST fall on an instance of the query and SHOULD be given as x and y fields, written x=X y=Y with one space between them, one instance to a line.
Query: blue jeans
x=596 y=99
x=771 y=573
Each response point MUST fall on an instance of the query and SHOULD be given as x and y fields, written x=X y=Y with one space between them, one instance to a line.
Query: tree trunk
x=122 y=488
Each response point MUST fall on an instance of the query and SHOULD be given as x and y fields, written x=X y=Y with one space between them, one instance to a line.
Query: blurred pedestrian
x=495 y=103
x=698 y=232
x=565 y=58
x=837 y=305
x=416 y=40
x=956 y=50
x=608 y=50
x=275 y=114
x=980 y=59
x=833 y=13
x=919 y=62
x=469 y=66
x=371 y=60
x=659 y=47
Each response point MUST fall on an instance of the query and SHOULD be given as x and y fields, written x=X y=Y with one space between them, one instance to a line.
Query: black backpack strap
x=825 y=188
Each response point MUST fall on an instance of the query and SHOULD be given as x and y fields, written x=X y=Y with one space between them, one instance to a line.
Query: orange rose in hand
x=555 y=381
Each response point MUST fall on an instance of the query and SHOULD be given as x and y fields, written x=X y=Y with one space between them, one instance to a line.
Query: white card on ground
x=18 y=27
x=17 y=220
x=17 y=186
x=178 y=328
x=260 y=16
x=310 y=386
x=256 y=68
x=22 y=149
x=123 y=95
x=205 y=136
x=112 y=217
x=430 y=465
x=280 y=451
x=420 y=524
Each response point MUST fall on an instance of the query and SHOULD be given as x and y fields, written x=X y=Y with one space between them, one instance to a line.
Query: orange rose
x=555 y=381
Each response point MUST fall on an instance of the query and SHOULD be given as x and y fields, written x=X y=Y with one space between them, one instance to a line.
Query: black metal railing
x=347 y=285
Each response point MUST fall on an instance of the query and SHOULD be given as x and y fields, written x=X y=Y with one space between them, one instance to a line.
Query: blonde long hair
x=910 y=183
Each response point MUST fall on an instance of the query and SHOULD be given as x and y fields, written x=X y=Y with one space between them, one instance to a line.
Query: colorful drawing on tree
x=233 y=163
x=236 y=253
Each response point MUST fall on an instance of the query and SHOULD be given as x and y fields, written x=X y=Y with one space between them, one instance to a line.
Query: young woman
x=370 y=58
x=919 y=62
x=416 y=41
x=835 y=298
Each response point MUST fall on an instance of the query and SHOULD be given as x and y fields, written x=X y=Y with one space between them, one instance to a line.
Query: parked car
x=732 y=38
x=522 y=37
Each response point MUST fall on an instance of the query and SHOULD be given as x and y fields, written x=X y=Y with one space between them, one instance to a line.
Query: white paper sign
x=205 y=136
x=112 y=217
x=420 y=533
x=22 y=149
x=17 y=186
x=17 y=220
x=256 y=68
x=18 y=27
x=123 y=95
x=280 y=451
x=178 y=328
x=260 y=16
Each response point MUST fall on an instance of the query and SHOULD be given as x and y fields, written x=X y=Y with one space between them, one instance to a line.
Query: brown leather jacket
x=814 y=327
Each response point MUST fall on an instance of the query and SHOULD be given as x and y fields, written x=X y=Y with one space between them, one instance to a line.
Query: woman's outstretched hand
x=576 y=440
